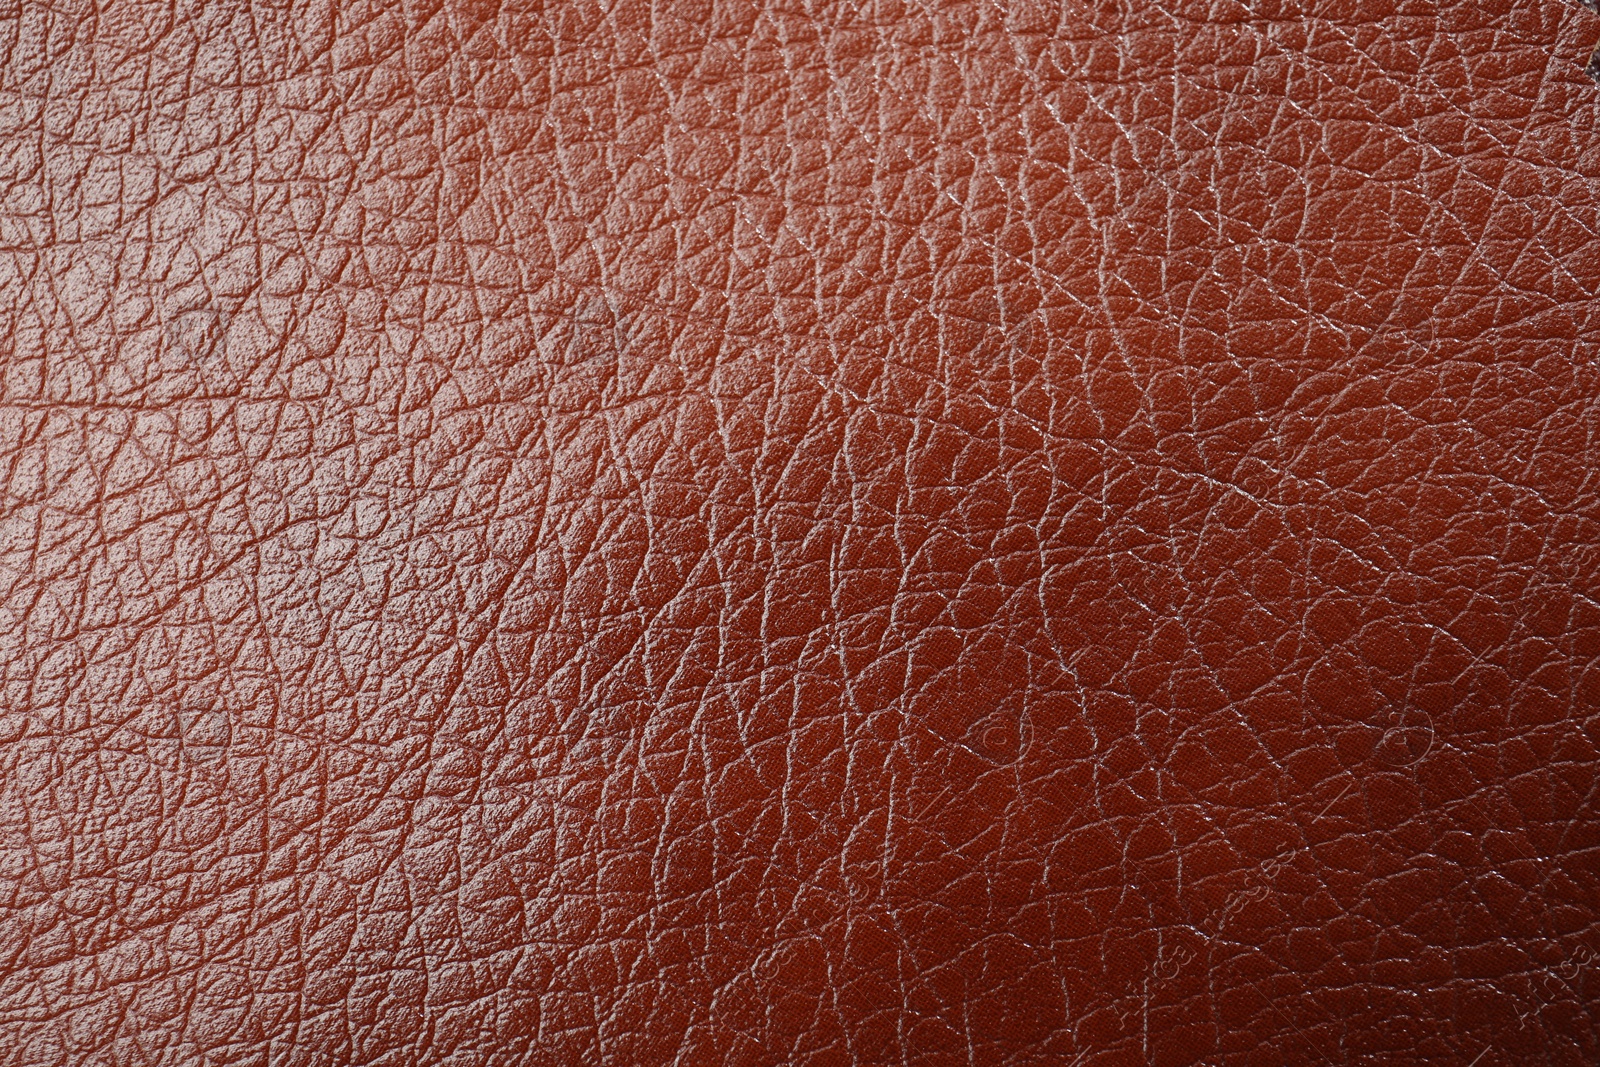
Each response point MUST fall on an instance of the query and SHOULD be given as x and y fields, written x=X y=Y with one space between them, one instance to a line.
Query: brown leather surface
x=799 y=533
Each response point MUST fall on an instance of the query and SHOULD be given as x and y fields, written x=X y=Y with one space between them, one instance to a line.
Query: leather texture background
x=799 y=532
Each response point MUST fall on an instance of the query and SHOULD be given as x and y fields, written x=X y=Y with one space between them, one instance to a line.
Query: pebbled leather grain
x=799 y=533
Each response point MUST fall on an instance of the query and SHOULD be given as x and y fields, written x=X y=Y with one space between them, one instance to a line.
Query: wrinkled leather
x=799 y=533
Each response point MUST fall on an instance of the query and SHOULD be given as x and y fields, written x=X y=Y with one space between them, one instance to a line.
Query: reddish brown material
x=799 y=533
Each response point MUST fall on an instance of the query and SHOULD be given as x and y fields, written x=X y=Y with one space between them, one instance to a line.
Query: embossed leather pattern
x=799 y=533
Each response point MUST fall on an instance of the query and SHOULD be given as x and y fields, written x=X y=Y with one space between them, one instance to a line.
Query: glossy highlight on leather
x=799 y=533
